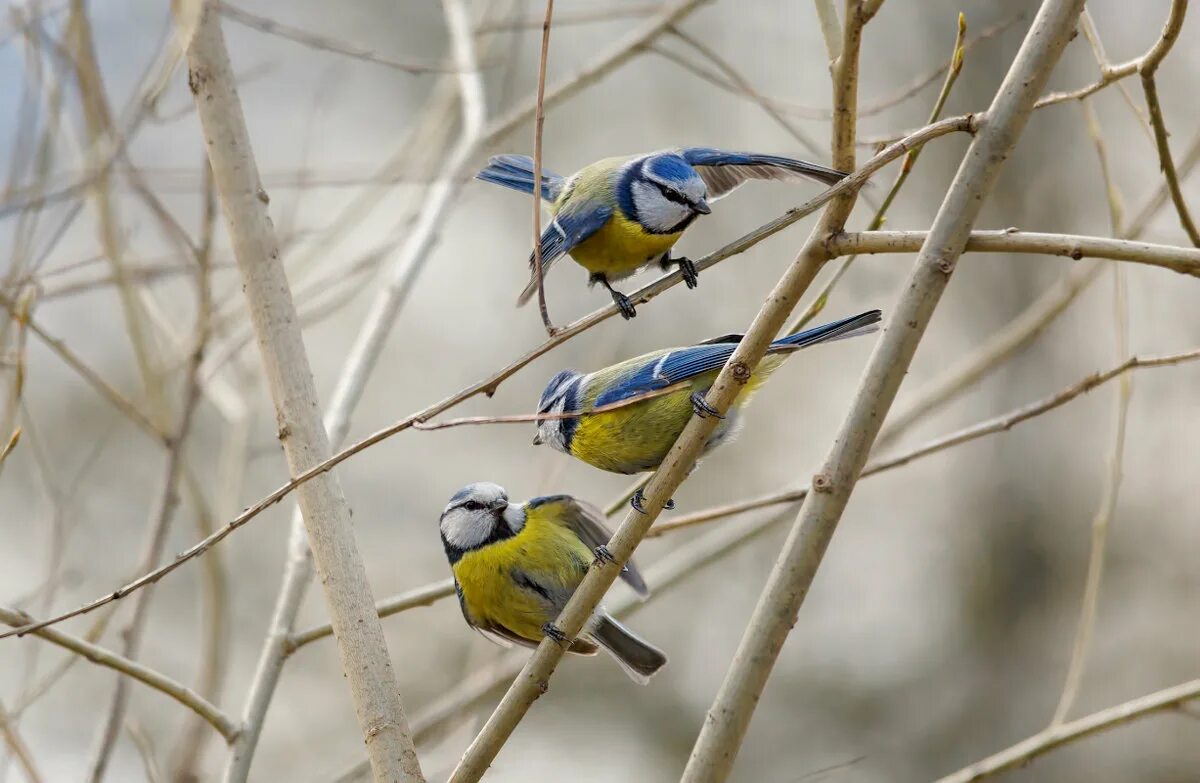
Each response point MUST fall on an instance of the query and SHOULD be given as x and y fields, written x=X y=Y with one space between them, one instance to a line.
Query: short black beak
x=499 y=505
x=702 y=207
x=537 y=439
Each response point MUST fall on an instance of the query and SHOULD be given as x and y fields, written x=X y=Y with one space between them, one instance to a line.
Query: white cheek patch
x=514 y=517
x=465 y=530
x=656 y=211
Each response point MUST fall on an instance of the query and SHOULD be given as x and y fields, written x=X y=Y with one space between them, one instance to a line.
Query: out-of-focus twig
x=1055 y=737
x=322 y=42
x=103 y=657
x=570 y=19
x=18 y=747
x=743 y=87
x=1102 y=519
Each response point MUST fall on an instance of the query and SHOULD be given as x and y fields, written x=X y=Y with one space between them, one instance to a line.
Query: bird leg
x=619 y=299
x=639 y=498
x=701 y=407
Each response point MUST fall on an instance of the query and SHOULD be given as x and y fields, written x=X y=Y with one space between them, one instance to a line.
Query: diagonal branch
x=533 y=680
x=779 y=605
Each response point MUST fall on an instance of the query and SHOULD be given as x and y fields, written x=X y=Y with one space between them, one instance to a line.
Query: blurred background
x=940 y=627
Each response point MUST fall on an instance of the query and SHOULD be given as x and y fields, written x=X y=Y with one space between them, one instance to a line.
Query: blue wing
x=723 y=171
x=681 y=364
x=574 y=223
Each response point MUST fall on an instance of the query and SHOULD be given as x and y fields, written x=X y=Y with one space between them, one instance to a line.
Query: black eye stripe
x=671 y=195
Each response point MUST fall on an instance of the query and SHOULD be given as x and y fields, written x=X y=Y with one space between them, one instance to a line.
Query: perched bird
x=620 y=214
x=636 y=437
x=516 y=564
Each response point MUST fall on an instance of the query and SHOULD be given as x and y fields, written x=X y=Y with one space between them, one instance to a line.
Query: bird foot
x=551 y=631
x=639 y=499
x=603 y=556
x=687 y=267
x=624 y=305
x=701 y=407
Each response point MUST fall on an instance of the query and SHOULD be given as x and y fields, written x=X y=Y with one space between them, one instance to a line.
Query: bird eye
x=473 y=505
x=670 y=194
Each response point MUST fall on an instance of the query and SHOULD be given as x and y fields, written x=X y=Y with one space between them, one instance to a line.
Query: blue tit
x=516 y=564
x=636 y=437
x=620 y=214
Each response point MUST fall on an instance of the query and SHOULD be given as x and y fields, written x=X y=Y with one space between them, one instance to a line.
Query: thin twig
x=567 y=20
x=18 y=747
x=1147 y=68
x=743 y=87
x=539 y=119
x=778 y=607
x=1102 y=519
x=119 y=401
x=314 y=41
x=107 y=658
x=1063 y=734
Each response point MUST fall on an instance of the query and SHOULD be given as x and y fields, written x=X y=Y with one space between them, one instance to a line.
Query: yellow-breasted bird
x=618 y=215
x=636 y=437
x=516 y=564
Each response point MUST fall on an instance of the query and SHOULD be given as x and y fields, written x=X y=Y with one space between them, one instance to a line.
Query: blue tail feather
x=516 y=172
x=864 y=323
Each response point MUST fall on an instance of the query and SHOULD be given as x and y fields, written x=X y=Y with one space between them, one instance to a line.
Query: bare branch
x=1184 y=260
x=326 y=515
x=361 y=361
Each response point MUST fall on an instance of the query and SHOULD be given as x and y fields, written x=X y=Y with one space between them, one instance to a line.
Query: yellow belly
x=637 y=437
x=621 y=248
x=491 y=596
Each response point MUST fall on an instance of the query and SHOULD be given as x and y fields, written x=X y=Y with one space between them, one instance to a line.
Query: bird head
x=477 y=514
x=667 y=193
x=559 y=396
